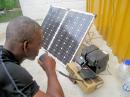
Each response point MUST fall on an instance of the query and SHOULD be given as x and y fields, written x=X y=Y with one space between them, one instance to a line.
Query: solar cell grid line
x=59 y=41
x=64 y=45
x=51 y=23
x=61 y=47
x=57 y=44
x=69 y=52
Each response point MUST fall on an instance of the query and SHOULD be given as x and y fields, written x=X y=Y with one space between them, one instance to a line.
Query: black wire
x=70 y=77
x=10 y=77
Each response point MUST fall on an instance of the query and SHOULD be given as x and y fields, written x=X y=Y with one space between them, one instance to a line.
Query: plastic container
x=123 y=71
x=126 y=88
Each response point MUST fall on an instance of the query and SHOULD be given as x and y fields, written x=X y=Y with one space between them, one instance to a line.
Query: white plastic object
x=123 y=71
x=126 y=88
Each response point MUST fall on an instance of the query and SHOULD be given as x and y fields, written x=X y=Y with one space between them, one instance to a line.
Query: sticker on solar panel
x=64 y=31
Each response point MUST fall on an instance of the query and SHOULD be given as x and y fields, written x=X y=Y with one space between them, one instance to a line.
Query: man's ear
x=25 y=46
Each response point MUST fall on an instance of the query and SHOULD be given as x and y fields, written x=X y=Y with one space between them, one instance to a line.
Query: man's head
x=24 y=37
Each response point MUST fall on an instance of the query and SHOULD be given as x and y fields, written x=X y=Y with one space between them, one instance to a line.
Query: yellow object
x=113 y=22
x=87 y=86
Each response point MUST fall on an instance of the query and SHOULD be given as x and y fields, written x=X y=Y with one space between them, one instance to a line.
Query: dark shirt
x=21 y=77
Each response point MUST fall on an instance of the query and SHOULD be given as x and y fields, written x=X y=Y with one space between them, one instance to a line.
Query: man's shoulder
x=21 y=77
x=1 y=47
x=18 y=71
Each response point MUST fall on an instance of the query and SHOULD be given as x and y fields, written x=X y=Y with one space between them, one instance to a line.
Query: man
x=23 y=41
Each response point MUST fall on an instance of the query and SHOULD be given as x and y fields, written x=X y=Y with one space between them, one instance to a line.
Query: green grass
x=10 y=15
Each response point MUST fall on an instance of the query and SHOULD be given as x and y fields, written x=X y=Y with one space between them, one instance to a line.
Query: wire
x=10 y=77
x=70 y=77
x=90 y=40
x=90 y=37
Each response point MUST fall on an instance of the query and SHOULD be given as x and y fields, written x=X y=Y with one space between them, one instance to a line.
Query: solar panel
x=68 y=36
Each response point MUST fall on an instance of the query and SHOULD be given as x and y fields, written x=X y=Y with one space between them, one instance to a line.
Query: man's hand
x=54 y=89
x=47 y=63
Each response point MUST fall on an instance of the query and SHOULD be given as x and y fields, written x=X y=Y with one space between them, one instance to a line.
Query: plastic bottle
x=123 y=71
x=126 y=88
x=124 y=76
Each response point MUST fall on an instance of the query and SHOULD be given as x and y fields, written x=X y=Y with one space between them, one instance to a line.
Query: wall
x=37 y=9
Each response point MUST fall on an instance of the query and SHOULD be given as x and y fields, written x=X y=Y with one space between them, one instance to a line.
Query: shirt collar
x=8 y=56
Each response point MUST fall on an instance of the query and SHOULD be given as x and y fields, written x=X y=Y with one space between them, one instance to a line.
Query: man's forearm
x=54 y=88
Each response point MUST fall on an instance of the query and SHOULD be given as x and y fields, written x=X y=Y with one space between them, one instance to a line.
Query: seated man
x=23 y=41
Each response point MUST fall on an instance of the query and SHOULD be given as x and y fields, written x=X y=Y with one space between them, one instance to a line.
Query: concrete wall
x=37 y=9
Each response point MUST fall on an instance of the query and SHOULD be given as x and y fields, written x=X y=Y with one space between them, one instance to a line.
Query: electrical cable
x=70 y=77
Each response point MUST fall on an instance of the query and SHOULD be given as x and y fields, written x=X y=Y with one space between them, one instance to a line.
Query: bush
x=8 y=4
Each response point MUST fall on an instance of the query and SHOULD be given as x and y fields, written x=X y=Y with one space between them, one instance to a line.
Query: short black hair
x=21 y=28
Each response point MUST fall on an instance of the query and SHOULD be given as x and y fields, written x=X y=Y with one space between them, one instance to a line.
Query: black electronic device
x=88 y=50
x=95 y=58
x=41 y=57
x=87 y=73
